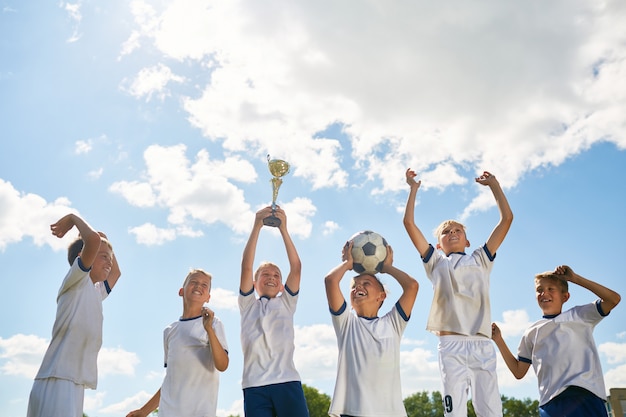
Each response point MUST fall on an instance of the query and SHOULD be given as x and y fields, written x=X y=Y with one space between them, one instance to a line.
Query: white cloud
x=395 y=79
x=222 y=299
x=236 y=409
x=316 y=352
x=615 y=377
x=22 y=354
x=93 y=400
x=615 y=352
x=514 y=324
x=75 y=15
x=83 y=146
x=148 y=234
x=203 y=191
x=152 y=82
x=329 y=227
x=30 y=215
x=116 y=361
x=123 y=407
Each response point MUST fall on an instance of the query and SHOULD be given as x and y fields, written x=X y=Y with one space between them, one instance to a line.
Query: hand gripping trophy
x=278 y=168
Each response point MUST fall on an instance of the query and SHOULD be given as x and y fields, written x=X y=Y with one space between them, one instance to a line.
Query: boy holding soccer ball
x=271 y=384
x=460 y=313
x=368 y=374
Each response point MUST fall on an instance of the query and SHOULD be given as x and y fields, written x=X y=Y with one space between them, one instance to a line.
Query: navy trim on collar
x=190 y=318
x=550 y=316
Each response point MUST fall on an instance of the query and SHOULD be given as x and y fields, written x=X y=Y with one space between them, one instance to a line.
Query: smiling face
x=268 y=281
x=103 y=263
x=367 y=295
x=451 y=237
x=551 y=295
x=196 y=288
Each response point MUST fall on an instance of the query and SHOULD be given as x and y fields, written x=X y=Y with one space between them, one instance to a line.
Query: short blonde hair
x=265 y=264
x=437 y=232
x=197 y=271
x=557 y=279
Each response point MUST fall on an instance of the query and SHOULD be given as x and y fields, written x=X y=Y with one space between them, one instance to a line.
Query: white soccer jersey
x=563 y=352
x=368 y=367
x=461 y=292
x=191 y=383
x=267 y=339
x=77 y=331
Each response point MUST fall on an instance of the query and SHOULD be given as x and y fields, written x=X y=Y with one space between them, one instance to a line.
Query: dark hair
x=74 y=249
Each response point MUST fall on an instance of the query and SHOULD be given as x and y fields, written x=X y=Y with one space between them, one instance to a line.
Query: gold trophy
x=278 y=168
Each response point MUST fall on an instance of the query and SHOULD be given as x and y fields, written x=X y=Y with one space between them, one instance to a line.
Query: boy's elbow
x=616 y=299
x=222 y=365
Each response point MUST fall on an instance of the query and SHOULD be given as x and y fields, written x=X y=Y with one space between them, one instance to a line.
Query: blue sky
x=153 y=121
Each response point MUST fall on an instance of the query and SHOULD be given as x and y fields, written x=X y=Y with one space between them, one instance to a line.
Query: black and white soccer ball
x=369 y=250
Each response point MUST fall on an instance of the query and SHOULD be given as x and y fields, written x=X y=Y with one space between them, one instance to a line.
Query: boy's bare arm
x=506 y=214
x=295 y=264
x=247 y=262
x=409 y=284
x=333 y=278
x=609 y=298
x=149 y=407
x=220 y=356
x=517 y=368
x=415 y=234
x=90 y=237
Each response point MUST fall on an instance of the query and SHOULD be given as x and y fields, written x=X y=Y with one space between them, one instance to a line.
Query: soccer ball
x=369 y=251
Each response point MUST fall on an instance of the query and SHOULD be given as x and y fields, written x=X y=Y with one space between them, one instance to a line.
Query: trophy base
x=271 y=221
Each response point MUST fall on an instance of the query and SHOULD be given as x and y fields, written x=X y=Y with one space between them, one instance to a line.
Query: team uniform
x=191 y=381
x=270 y=379
x=564 y=356
x=70 y=363
x=461 y=305
x=368 y=366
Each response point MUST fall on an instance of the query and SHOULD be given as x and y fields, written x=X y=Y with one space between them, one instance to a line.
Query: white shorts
x=469 y=362
x=53 y=397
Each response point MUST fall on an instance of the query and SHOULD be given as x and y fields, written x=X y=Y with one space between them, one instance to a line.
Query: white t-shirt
x=368 y=367
x=267 y=339
x=191 y=383
x=563 y=352
x=77 y=330
x=461 y=292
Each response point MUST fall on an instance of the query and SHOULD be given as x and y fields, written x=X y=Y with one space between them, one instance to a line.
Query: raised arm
x=506 y=215
x=409 y=284
x=609 y=298
x=517 y=367
x=333 y=278
x=295 y=265
x=246 y=283
x=415 y=234
x=90 y=237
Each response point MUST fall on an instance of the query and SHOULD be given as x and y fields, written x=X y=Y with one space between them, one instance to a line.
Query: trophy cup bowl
x=278 y=168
